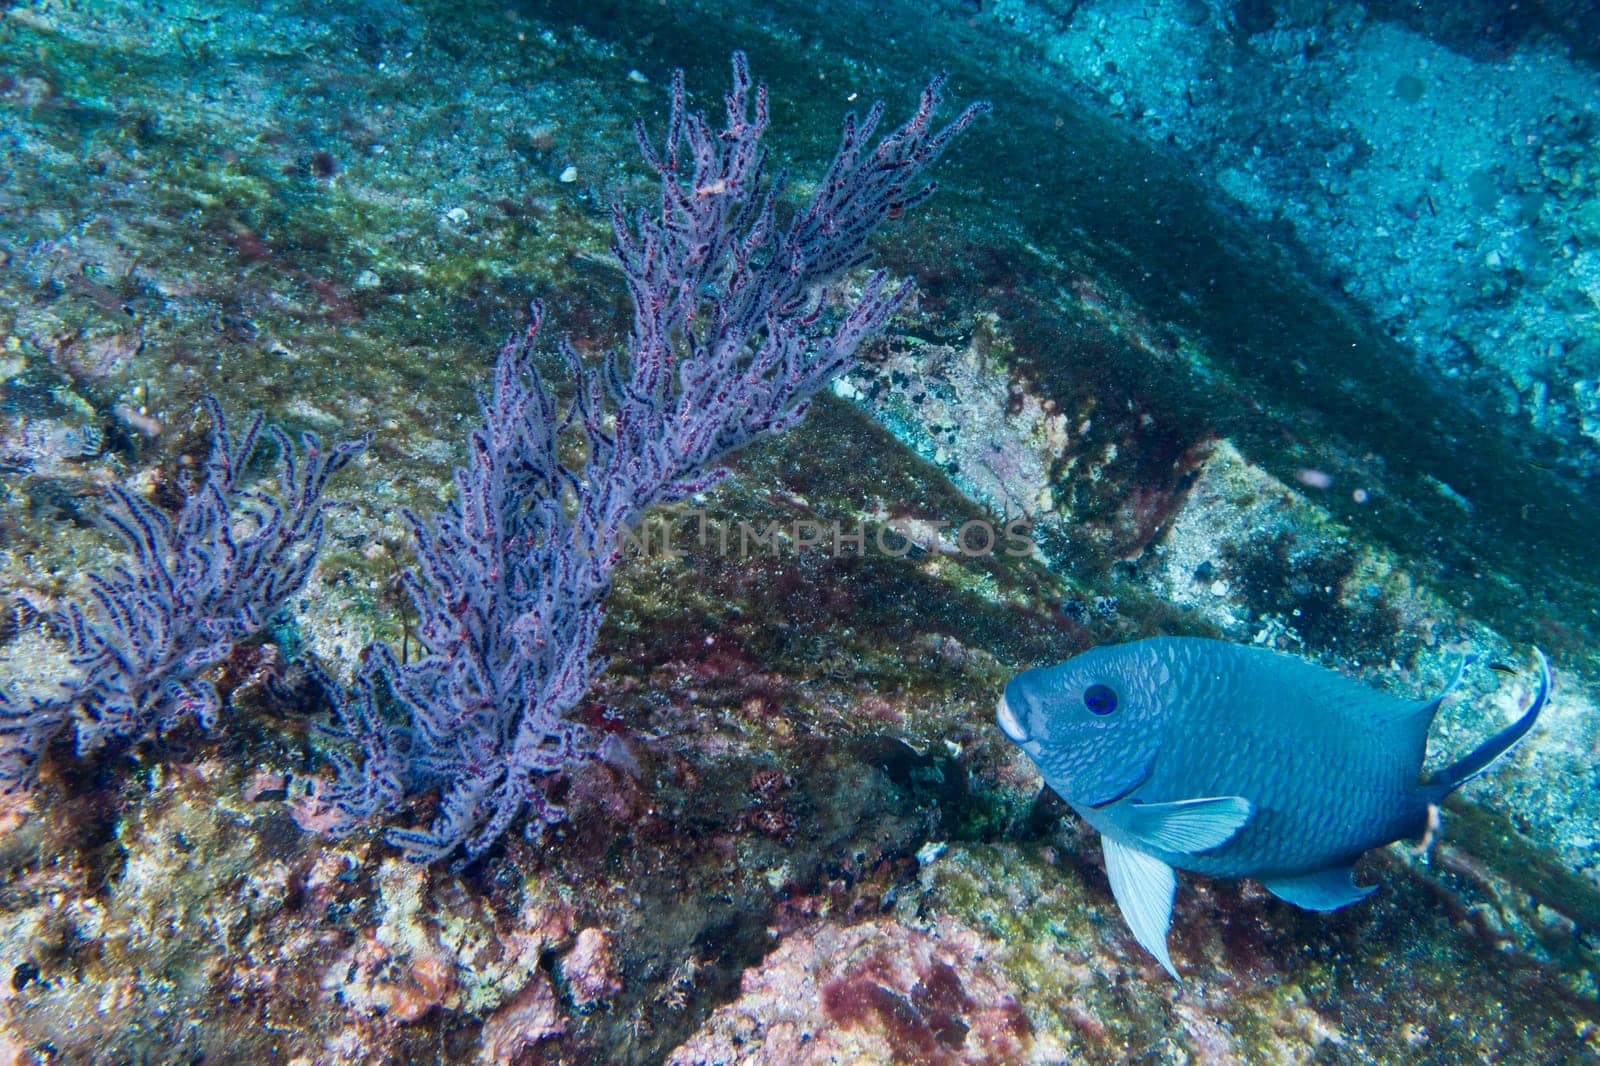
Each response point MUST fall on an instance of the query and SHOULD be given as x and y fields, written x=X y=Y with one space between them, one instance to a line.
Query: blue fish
x=1234 y=761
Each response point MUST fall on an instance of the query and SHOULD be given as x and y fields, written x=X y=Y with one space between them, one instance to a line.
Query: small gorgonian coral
x=729 y=341
x=191 y=588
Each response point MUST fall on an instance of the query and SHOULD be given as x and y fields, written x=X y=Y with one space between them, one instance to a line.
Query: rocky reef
x=1214 y=418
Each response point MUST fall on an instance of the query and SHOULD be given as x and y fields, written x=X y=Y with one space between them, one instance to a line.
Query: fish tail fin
x=1484 y=755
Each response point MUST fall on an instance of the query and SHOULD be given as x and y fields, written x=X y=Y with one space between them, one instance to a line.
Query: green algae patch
x=1262 y=982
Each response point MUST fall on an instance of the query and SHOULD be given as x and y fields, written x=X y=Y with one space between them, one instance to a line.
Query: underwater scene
x=827 y=532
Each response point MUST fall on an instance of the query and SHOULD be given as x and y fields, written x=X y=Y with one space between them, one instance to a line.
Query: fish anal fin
x=1324 y=890
x=1144 y=887
x=1186 y=827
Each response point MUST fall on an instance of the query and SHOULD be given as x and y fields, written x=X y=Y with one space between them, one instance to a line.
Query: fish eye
x=1100 y=699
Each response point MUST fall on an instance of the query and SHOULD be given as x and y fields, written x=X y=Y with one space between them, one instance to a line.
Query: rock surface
x=817 y=848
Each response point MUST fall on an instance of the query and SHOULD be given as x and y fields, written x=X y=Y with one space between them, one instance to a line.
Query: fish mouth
x=1009 y=725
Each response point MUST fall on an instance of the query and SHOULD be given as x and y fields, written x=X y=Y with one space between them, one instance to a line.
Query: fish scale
x=1234 y=761
x=1369 y=792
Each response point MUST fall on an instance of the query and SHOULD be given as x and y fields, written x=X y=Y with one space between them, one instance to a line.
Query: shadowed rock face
x=816 y=790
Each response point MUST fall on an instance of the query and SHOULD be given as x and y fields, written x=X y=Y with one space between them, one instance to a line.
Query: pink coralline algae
x=591 y=970
x=530 y=1017
x=880 y=991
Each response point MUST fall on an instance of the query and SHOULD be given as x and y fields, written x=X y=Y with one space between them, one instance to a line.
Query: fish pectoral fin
x=1186 y=827
x=1143 y=886
x=1325 y=890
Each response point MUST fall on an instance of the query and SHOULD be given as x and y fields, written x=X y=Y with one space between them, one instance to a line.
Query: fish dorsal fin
x=1407 y=722
x=1325 y=890
x=1143 y=886
x=1423 y=713
x=1186 y=827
